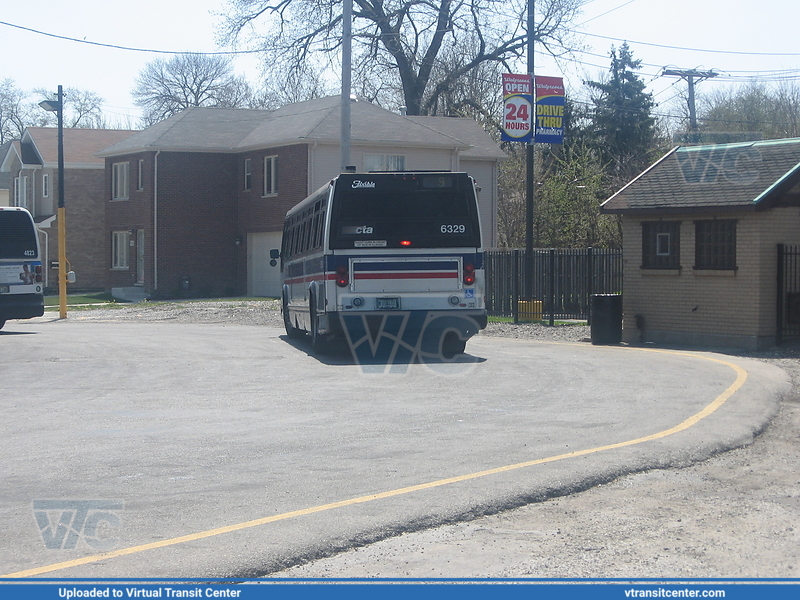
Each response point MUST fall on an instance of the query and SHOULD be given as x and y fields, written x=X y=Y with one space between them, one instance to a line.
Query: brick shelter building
x=701 y=234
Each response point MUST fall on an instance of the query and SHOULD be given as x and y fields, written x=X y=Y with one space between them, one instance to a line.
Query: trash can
x=606 y=313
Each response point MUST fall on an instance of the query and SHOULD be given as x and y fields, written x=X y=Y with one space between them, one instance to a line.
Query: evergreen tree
x=624 y=131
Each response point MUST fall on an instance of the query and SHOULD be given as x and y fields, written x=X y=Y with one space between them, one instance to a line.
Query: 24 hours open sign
x=524 y=120
x=517 y=108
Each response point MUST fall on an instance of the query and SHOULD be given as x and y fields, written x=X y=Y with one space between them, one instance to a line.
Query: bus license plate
x=4 y=289
x=387 y=303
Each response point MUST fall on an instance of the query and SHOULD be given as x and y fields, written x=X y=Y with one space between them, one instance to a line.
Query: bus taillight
x=469 y=274
x=342 y=279
x=38 y=272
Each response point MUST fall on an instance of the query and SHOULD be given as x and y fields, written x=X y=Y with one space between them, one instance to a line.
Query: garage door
x=262 y=279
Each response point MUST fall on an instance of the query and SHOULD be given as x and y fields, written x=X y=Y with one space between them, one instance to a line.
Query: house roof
x=466 y=130
x=40 y=144
x=745 y=176
x=237 y=130
x=193 y=130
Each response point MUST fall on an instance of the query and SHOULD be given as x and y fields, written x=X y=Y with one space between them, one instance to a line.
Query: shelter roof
x=743 y=176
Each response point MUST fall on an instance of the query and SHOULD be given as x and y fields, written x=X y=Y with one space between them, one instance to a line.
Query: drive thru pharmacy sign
x=524 y=120
x=549 y=110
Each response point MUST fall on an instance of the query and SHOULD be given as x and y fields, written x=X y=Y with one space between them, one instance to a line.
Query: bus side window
x=287 y=244
x=315 y=232
x=304 y=236
x=292 y=240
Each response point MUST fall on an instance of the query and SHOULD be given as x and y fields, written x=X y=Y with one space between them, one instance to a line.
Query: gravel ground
x=734 y=515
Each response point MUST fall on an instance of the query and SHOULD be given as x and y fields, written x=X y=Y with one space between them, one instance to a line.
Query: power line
x=128 y=48
x=695 y=49
x=605 y=13
x=772 y=75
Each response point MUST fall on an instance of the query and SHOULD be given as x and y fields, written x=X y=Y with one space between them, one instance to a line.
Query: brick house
x=701 y=228
x=196 y=202
x=31 y=167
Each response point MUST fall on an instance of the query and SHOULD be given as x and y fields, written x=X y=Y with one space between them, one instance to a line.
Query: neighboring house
x=31 y=165
x=196 y=202
x=701 y=229
x=5 y=178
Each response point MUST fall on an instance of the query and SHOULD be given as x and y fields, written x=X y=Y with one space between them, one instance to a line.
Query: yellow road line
x=741 y=377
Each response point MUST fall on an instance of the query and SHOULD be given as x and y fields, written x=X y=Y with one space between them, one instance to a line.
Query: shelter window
x=715 y=244
x=661 y=247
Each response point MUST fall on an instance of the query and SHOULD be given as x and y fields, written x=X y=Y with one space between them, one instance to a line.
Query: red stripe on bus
x=425 y=275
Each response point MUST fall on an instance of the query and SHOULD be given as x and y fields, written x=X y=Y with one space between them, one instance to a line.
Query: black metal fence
x=563 y=280
x=788 y=325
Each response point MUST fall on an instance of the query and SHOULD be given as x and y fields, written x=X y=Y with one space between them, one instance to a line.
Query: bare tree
x=755 y=110
x=280 y=88
x=82 y=108
x=12 y=112
x=404 y=40
x=166 y=87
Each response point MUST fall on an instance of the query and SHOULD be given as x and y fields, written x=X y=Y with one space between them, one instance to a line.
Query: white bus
x=21 y=286
x=379 y=244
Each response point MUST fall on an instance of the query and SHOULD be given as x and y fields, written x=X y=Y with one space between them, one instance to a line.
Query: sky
x=739 y=39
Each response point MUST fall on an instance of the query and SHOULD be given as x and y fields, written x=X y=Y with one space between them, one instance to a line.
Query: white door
x=263 y=279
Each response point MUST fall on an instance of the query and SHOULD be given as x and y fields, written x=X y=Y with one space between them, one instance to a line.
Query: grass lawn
x=101 y=298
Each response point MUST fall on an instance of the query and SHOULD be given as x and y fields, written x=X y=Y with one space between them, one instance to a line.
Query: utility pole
x=692 y=77
x=530 y=174
x=347 y=40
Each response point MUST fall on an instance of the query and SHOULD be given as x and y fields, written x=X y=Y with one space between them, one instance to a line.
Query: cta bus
x=21 y=285
x=383 y=244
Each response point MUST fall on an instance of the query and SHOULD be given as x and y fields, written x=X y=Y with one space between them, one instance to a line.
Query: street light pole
x=57 y=107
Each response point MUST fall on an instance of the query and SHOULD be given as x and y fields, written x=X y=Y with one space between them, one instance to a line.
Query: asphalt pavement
x=170 y=450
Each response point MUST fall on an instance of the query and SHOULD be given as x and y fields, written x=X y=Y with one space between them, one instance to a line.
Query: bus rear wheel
x=453 y=345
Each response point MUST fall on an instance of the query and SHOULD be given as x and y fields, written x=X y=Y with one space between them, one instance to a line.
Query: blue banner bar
x=511 y=589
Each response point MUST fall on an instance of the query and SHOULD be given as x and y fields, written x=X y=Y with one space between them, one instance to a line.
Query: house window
x=715 y=244
x=248 y=173
x=21 y=191
x=384 y=162
x=140 y=177
x=45 y=185
x=119 y=181
x=270 y=175
x=661 y=247
x=120 y=248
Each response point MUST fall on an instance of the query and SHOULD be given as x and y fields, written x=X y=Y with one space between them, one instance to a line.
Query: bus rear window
x=394 y=211
x=17 y=235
